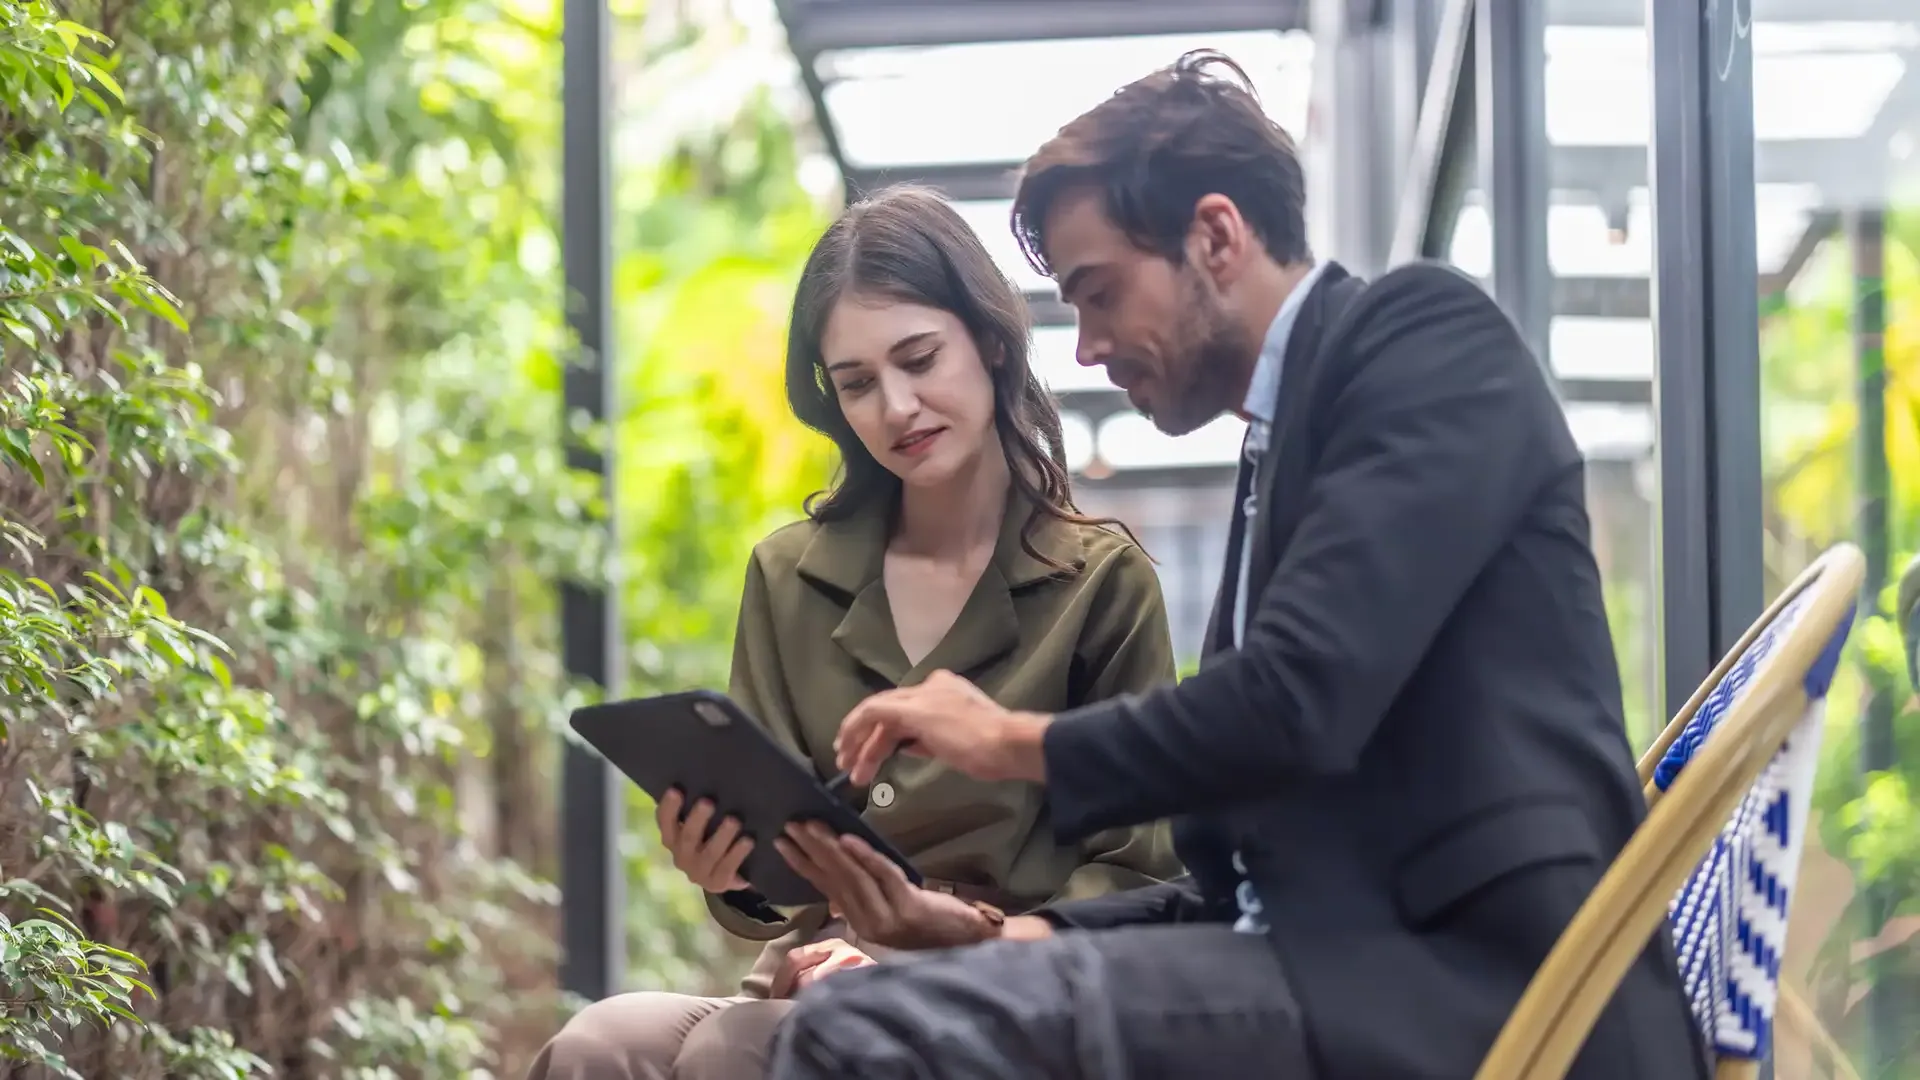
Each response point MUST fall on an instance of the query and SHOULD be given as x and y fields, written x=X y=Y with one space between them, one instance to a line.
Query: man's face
x=1159 y=328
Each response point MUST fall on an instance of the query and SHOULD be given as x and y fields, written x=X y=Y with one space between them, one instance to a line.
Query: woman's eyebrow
x=910 y=341
x=905 y=344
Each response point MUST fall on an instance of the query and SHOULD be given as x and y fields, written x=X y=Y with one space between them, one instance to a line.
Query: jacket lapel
x=1219 y=634
x=844 y=560
x=1318 y=314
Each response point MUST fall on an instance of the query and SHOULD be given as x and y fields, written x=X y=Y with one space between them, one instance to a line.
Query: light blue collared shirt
x=1263 y=395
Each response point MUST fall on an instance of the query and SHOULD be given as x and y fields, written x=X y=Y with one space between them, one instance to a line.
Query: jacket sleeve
x=1439 y=431
x=758 y=683
x=1128 y=649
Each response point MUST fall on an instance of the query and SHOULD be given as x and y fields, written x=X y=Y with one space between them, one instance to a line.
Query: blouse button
x=883 y=794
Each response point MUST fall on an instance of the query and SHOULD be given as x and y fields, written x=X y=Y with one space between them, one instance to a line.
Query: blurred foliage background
x=1856 y=932
x=283 y=508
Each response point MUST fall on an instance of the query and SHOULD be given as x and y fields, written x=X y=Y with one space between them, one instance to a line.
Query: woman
x=950 y=541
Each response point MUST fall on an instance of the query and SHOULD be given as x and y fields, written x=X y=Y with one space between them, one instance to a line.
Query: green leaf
x=156 y=303
x=147 y=596
x=100 y=76
x=63 y=84
x=98 y=579
x=18 y=444
x=84 y=256
x=74 y=33
x=342 y=48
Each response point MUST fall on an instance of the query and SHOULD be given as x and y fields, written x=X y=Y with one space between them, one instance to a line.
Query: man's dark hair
x=1159 y=144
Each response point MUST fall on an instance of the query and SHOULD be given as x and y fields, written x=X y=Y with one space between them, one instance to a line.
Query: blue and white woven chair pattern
x=1729 y=920
x=1729 y=787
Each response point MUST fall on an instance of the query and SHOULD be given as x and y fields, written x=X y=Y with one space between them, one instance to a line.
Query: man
x=1403 y=764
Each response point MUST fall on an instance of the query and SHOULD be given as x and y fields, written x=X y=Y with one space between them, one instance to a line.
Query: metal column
x=1510 y=67
x=1351 y=176
x=1440 y=160
x=1706 y=318
x=1411 y=29
x=592 y=882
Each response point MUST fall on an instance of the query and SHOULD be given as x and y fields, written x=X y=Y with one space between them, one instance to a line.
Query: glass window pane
x=1052 y=360
x=1836 y=114
x=1129 y=440
x=991 y=220
x=1599 y=235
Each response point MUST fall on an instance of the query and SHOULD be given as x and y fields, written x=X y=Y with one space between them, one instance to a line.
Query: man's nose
x=1092 y=350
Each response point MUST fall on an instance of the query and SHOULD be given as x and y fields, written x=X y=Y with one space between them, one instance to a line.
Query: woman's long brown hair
x=907 y=244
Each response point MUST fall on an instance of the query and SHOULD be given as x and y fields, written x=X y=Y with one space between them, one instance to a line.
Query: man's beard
x=1206 y=367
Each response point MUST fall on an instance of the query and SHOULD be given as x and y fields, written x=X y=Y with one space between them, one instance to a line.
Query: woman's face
x=912 y=385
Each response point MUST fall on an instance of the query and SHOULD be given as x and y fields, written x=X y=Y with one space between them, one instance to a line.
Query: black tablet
x=704 y=744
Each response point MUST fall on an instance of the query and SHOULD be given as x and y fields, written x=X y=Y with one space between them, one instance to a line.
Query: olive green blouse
x=816 y=636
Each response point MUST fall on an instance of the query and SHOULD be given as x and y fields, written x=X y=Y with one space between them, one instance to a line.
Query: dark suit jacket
x=1419 y=747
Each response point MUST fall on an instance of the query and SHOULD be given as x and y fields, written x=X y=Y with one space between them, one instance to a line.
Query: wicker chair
x=1728 y=786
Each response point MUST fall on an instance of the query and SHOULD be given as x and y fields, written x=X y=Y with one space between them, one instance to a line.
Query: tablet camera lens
x=714 y=717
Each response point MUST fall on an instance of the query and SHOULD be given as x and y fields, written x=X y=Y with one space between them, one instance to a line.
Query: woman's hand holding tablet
x=711 y=860
x=872 y=893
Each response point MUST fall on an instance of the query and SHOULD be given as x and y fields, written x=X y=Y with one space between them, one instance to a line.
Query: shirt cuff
x=746 y=914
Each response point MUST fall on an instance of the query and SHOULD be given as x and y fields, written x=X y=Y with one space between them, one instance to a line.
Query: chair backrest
x=1729 y=921
x=1728 y=784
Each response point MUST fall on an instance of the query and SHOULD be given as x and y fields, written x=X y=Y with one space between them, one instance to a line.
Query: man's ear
x=1218 y=239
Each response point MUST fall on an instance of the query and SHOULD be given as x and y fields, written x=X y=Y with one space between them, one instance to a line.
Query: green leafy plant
x=56 y=981
x=282 y=508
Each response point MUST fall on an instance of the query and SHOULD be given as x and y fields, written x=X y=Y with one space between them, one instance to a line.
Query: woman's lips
x=918 y=442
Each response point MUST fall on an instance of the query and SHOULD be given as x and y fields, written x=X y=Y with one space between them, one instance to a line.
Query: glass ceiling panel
x=1581 y=242
x=1601 y=349
x=1611 y=432
x=1582 y=348
x=991 y=221
x=1076 y=438
x=1128 y=440
x=1597 y=89
x=1053 y=361
x=998 y=101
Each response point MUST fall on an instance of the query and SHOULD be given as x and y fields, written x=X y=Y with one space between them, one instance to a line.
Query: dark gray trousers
x=1194 y=1002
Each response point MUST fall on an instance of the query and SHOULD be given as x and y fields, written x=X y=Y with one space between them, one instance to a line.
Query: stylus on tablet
x=838 y=781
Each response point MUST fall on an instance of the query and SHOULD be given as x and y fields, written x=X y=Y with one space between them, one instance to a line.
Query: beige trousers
x=658 y=1036
x=663 y=1036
